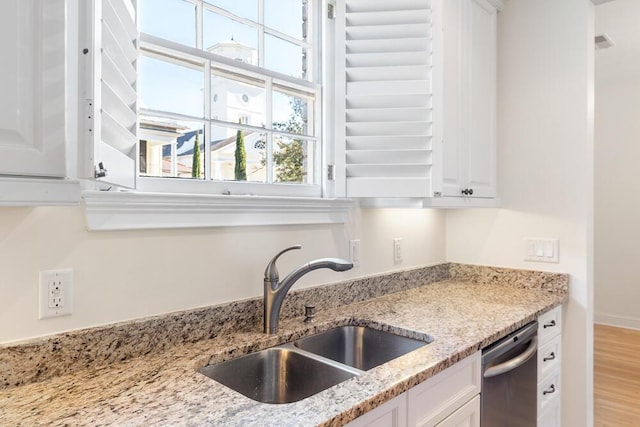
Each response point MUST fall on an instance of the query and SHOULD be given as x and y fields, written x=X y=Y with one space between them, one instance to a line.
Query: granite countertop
x=164 y=388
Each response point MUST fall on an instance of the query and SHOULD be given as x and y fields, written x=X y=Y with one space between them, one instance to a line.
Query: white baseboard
x=619 y=321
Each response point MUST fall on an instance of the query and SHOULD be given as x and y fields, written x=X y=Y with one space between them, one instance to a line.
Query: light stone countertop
x=165 y=388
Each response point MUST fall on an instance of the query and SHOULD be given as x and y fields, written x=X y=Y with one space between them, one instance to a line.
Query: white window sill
x=135 y=211
x=27 y=191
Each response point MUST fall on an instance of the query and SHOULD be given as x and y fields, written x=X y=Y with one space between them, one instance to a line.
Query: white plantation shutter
x=384 y=125
x=112 y=100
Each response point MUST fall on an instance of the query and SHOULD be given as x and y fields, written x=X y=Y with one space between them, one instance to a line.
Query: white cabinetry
x=469 y=98
x=467 y=416
x=549 y=362
x=440 y=396
x=391 y=414
x=33 y=106
x=450 y=398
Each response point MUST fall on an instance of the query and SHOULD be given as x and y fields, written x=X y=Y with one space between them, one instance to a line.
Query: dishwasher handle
x=512 y=364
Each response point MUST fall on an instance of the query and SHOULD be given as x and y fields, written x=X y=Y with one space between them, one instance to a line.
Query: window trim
x=166 y=49
x=145 y=209
x=120 y=210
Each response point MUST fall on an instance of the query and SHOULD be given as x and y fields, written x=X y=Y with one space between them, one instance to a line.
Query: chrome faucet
x=275 y=290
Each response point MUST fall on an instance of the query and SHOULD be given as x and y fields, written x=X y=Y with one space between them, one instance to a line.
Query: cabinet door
x=481 y=74
x=467 y=416
x=434 y=400
x=453 y=144
x=32 y=83
x=391 y=414
x=469 y=98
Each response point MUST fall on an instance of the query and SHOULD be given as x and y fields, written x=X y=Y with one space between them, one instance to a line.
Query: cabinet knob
x=471 y=191
x=467 y=191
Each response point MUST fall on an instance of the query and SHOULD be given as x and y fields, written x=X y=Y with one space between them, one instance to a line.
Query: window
x=229 y=96
x=174 y=94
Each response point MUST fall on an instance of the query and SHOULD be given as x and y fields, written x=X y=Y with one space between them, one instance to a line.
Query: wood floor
x=616 y=377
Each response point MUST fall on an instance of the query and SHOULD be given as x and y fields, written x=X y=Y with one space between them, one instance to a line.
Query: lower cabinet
x=450 y=398
x=549 y=368
x=550 y=416
x=467 y=416
x=391 y=414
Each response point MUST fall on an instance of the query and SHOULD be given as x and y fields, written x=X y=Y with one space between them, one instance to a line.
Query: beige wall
x=127 y=275
x=617 y=167
x=545 y=149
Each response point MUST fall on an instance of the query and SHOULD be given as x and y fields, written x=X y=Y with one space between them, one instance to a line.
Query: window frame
x=158 y=205
x=155 y=46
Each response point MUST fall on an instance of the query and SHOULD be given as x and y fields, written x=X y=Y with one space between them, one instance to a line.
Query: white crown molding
x=107 y=210
x=26 y=191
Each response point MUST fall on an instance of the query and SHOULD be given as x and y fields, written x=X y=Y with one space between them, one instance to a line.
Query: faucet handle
x=271 y=272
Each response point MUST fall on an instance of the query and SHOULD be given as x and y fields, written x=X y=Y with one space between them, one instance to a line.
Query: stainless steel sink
x=357 y=346
x=277 y=375
x=294 y=371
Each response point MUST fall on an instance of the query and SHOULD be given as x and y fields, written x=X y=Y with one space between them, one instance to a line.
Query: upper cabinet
x=418 y=121
x=33 y=106
x=469 y=57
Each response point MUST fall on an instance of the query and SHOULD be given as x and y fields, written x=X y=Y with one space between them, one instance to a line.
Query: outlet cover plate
x=55 y=293
x=354 y=252
x=397 y=249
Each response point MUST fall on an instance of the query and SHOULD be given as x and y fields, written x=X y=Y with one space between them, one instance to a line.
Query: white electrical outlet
x=354 y=252
x=541 y=250
x=55 y=293
x=397 y=249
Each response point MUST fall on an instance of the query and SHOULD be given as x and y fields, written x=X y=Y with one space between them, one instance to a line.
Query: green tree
x=289 y=158
x=196 y=168
x=241 y=157
x=289 y=161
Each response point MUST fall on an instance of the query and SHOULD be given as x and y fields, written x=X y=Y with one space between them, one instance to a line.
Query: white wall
x=545 y=149
x=127 y=275
x=617 y=170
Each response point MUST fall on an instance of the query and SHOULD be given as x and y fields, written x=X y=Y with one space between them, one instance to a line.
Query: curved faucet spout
x=275 y=290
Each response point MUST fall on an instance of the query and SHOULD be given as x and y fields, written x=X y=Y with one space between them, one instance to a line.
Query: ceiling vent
x=603 y=41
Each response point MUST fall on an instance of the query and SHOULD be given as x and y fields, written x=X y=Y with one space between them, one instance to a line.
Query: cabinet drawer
x=432 y=401
x=467 y=416
x=549 y=357
x=549 y=390
x=549 y=325
x=551 y=417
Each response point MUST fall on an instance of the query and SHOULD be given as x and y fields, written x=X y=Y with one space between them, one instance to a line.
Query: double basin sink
x=294 y=371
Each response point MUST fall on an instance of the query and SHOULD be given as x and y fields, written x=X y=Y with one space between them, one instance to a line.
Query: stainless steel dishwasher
x=509 y=380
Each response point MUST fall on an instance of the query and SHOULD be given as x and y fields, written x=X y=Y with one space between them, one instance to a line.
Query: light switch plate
x=541 y=250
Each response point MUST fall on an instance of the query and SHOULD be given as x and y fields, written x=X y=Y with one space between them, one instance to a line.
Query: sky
x=173 y=88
